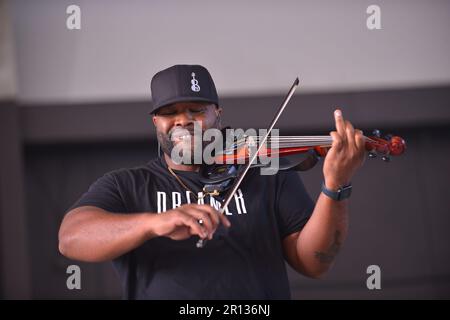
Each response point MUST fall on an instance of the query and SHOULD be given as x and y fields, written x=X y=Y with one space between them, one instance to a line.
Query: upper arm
x=79 y=211
x=77 y=215
x=290 y=251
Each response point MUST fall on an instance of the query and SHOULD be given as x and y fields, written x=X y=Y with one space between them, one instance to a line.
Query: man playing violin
x=148 y=219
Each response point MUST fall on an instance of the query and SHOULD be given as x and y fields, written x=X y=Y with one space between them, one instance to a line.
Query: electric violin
x=224 y=176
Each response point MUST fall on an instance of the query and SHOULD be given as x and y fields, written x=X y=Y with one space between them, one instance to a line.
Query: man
x=148 y=219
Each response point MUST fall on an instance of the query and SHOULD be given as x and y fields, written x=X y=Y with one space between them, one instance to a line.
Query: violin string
x=302 y=137
x=296 y=141
x=305 y=142
x=309 y=138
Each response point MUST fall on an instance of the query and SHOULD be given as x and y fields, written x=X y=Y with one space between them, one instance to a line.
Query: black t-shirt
x=243 y=262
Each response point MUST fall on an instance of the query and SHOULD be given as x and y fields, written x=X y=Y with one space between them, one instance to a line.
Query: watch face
x=346 y=192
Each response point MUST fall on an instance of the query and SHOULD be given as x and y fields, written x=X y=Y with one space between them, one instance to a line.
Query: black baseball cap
x=182 y=83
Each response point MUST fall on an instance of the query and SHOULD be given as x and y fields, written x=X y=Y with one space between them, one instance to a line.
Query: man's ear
x=154 y=120
x=218 y=116
x=218 y=111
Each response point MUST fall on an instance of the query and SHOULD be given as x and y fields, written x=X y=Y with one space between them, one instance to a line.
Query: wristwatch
x=341 y=193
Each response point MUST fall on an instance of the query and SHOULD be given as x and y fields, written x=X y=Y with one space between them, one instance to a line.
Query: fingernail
x=338 y=113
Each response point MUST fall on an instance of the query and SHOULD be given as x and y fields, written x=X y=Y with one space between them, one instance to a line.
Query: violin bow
x=238 y=180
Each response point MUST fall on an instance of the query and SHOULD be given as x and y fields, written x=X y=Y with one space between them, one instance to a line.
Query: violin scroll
x=397 y=146
x=387 y=146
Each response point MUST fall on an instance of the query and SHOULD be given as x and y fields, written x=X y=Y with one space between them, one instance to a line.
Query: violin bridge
x=214 y=192
x=209 y=192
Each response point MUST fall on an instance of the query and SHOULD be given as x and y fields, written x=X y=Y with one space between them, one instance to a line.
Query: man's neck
x=181 y=167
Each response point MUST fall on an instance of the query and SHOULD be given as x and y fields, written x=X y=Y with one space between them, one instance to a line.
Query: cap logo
x=194 y=83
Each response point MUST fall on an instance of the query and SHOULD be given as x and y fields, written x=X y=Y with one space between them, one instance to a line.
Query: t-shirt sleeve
x=295 y=206
x=103 y=193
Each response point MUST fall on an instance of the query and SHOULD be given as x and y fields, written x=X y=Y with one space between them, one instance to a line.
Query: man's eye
x=198 y=110
x=167 y=113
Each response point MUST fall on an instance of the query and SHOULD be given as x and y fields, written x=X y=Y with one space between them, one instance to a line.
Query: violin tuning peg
x=372 y=155
x=386 y=158
x=376 y=133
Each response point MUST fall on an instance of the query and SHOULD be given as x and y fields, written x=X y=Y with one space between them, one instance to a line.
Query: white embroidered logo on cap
x=195 y=87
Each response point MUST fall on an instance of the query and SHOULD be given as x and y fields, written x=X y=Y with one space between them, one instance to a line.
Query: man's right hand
x=93 y=234
x=183 y=222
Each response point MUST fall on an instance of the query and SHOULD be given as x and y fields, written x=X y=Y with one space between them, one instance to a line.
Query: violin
x=218 y=176
x=231 y=165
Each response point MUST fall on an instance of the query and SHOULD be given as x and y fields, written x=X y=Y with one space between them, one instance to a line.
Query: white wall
x=250 y=47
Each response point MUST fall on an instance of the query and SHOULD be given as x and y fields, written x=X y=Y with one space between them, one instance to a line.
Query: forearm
x=91 y=234
x=322 y=237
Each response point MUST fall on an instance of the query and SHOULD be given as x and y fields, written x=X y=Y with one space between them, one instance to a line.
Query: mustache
x=181 y=131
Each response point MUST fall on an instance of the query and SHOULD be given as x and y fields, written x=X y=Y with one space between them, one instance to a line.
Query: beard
x=187 y=141
x=169 y=141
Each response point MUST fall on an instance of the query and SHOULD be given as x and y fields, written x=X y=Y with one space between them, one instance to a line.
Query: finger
x=360 y=141
x=194 y=227
x=221 y=218
x=213 y=213
x=224 y=220
x=211 y=223
x=337 y=141
x=350 y=133
x=340 y=124
x=204 y=219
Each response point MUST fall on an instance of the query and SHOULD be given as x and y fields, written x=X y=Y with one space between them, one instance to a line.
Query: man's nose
x=184 y=119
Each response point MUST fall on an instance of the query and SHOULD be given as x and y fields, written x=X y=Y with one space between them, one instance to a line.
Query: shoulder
x=137 y=173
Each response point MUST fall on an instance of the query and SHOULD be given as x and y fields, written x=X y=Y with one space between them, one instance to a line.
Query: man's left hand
x=346 y=155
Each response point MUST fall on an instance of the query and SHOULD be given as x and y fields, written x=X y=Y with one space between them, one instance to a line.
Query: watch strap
x=339 y=195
